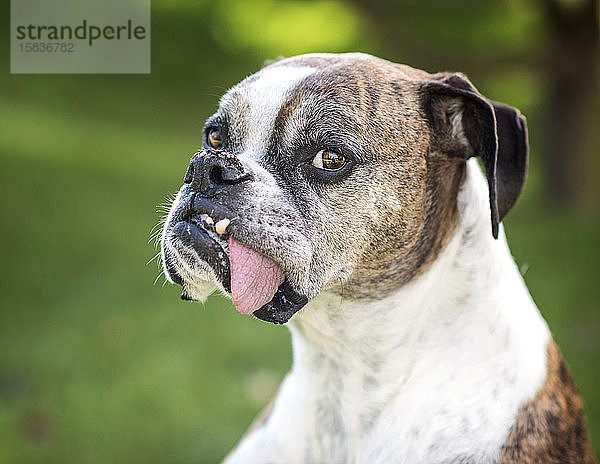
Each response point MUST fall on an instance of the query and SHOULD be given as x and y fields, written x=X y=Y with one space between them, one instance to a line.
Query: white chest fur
x=434 y=374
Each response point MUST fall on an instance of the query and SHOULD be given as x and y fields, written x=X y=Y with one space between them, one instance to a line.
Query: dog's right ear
x=464 y=124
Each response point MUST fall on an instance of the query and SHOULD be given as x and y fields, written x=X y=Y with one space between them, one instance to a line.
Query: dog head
x=328 y=170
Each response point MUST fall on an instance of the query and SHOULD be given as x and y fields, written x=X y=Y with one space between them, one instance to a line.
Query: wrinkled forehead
x=346 y=97
x=252 y=106
x=265 y=90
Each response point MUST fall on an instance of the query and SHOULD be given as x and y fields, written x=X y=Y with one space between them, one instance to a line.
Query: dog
x=341 y=195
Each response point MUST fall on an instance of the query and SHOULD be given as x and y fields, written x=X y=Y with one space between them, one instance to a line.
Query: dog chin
x=198 y=290
x=197 y=284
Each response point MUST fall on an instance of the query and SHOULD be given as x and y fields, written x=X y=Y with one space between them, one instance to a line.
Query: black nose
x=211 y=169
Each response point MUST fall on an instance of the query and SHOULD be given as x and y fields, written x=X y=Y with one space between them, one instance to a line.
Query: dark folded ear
x=466 y=124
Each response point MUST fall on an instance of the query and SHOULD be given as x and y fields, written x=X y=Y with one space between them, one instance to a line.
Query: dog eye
x=214 y=138
x=329 y=160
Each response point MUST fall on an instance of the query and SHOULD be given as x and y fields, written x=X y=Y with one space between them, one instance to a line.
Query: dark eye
x=329 y=160
x=214 y=137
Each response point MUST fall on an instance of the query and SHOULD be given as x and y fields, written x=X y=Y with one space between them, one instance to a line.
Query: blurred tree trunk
x=571 y=72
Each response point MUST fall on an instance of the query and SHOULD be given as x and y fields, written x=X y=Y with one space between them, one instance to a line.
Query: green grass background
x=97 y=363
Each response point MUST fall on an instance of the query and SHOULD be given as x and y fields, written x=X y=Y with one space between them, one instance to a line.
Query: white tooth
x=206 y=218
x=221 y=226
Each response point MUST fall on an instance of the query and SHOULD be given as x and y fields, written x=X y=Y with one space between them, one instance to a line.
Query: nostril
x=209 y=170
x=215 y=174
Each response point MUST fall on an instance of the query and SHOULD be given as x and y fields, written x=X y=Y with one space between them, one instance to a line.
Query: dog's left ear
x=465 y=124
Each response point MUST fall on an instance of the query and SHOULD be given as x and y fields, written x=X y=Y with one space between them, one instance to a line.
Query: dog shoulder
x=550 y=428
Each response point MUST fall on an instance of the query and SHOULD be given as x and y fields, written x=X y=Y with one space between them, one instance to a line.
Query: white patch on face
x=264 y=97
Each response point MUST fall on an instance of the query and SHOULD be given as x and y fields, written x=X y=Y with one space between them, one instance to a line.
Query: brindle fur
x=412 y=213
x=550 y=429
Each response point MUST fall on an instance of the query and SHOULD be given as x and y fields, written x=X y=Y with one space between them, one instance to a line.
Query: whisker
x=153 y=258
x=158 y=277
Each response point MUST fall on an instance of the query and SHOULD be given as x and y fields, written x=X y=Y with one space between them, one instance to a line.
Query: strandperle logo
x=84 y=31
x=80 y=36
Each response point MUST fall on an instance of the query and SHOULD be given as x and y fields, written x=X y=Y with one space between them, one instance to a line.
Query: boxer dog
x=341 y=195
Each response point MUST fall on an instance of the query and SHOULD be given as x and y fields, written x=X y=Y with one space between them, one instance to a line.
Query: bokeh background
x=101 y=362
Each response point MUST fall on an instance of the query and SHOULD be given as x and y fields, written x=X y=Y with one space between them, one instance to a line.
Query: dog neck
x=352 y=358
x=450 y=293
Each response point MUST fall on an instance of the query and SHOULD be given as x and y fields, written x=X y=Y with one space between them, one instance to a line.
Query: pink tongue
x=254 y=277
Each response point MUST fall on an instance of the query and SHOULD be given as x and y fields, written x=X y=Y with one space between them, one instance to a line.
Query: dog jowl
x=337 y=194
